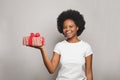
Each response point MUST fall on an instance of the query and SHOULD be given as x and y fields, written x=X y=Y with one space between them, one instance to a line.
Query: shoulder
x=88 y=49
x=86 y=44
x=60 y=43
x=58 y=47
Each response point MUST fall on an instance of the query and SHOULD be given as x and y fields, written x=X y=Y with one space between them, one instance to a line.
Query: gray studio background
x=20 y=17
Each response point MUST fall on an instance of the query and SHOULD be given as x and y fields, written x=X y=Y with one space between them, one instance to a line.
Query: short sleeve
x=57 y=48
x=88 y=51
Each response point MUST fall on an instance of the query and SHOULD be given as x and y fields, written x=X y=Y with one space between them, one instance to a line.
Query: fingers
x=36 y=41
x=33 y=41
x=25 y=40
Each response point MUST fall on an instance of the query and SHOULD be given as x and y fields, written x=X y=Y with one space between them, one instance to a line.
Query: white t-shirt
x=72 y=59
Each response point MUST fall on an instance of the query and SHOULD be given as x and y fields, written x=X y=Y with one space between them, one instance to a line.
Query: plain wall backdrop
x=20 y=17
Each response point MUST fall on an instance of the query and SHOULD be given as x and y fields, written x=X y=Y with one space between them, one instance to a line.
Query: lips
x=68 y=33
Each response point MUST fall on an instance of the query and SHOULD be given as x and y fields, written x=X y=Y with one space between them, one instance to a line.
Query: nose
x=67 y=28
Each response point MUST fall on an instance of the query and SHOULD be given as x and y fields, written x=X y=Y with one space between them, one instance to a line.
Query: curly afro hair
x=73 y=15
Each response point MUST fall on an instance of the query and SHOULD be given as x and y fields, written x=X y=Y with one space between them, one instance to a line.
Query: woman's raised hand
x=34 y=40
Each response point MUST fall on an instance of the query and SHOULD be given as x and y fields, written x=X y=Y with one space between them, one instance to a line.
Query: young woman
x=75 y=55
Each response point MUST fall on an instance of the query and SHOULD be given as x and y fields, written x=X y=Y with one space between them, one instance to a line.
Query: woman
x=75 y=55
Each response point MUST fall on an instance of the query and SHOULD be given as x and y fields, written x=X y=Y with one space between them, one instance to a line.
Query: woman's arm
x=52 y=64
x=88 y=67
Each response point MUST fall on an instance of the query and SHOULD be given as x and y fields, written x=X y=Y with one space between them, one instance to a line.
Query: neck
x=73 y=40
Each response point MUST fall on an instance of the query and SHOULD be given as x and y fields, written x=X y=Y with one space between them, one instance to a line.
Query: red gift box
x=29 y=40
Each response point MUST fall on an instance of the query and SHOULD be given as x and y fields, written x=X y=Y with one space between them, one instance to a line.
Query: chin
x=68 y=37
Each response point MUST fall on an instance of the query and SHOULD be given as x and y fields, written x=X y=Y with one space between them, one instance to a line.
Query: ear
x=77 y=28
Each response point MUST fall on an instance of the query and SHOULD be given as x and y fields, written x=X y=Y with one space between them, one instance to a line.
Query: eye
x=70 y=26
x=64 y=27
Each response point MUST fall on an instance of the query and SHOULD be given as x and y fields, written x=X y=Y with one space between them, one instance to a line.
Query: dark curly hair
x=73 y=15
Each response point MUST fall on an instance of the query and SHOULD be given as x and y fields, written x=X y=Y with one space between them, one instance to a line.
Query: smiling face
x=69 y=29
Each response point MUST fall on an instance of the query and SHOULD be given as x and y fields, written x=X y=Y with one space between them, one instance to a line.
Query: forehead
x=70 y=21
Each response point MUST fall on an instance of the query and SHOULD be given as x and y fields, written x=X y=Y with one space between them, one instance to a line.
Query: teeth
x=68 y=32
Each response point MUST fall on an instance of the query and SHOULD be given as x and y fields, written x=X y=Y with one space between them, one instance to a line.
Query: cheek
x=75 y=31
x=63 y=31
